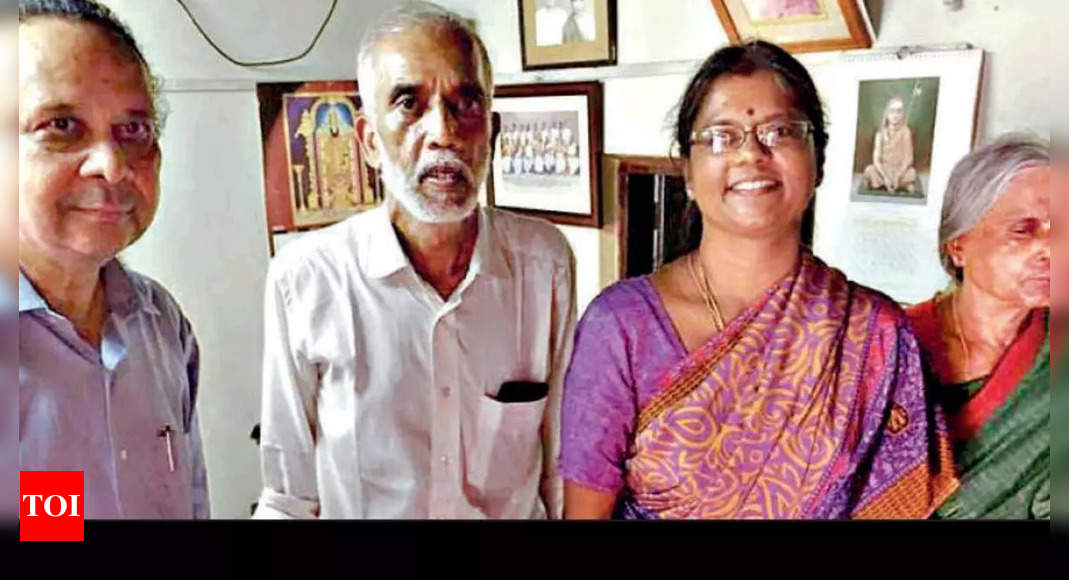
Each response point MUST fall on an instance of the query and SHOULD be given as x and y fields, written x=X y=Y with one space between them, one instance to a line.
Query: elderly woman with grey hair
x=987 y=340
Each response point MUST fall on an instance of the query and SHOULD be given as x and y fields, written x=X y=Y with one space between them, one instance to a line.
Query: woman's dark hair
x=745 y=60
x=93 y=12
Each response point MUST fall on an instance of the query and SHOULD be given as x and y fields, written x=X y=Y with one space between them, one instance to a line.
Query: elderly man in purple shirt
x=107 y=362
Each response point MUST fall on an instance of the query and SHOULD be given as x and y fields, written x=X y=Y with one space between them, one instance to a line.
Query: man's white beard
x=405 y=189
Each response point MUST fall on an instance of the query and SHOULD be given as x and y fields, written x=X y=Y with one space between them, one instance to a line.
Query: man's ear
x=365 y=133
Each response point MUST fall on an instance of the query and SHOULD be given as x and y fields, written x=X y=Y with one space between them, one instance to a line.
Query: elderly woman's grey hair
x=407 y=16
x=979 y=180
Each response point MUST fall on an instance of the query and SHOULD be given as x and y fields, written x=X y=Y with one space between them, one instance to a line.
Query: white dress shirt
x=379 y=396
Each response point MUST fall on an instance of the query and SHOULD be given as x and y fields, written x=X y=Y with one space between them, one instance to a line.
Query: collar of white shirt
x=387 y=257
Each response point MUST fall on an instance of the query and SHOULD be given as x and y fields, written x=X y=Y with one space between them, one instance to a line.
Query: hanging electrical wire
x=196 y=24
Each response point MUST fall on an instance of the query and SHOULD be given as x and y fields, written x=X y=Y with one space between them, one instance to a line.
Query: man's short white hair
x=412 y=15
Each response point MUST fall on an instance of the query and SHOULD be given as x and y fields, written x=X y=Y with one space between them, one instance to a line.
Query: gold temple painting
x=314 y=170
x=329 y=179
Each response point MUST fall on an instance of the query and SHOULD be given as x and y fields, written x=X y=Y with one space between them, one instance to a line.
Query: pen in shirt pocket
x=165 y=432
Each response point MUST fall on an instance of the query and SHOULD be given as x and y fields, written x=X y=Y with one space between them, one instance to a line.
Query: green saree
x=1000 y=425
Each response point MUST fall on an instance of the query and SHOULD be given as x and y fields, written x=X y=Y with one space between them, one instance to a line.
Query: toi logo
x=51 y=506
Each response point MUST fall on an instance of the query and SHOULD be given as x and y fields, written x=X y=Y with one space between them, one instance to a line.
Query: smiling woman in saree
x=747 y=379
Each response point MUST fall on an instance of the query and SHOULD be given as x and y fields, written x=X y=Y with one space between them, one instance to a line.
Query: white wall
x=1016 y=37
x=249 y=30
x=209 y=246
x=1015 y=34
x=675 y=33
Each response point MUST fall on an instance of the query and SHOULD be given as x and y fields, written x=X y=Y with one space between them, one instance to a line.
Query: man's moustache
x=426 y=170
x=100 y=197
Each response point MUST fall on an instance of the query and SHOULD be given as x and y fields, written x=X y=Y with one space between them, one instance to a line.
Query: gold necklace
x=957 y=328
x=706 y=293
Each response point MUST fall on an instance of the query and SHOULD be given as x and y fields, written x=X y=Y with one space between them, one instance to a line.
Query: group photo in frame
x=547 y=152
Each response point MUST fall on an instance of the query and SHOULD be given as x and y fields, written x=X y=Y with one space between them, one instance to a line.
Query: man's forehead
x=416 y=53
x=60 y=60
x=70 y=38
x=49 y=43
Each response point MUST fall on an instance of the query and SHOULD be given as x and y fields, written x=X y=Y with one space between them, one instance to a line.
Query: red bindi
x=750 y=112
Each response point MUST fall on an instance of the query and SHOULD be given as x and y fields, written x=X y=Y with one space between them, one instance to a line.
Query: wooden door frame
x=629 y=165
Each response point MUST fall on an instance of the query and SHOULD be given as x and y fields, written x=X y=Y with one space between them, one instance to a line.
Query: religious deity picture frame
x=314 y=170
x=901 y=120
x=567 y=33
x=796 y=25
x=547 y=152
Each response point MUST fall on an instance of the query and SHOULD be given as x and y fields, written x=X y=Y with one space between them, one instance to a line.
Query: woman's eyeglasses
x=772 y=135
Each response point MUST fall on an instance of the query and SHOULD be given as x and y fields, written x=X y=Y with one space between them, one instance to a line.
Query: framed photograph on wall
x=898 y=124
x=548 y=151
x=893 y=149
x=796 y=25
x=567 y=33
x=314 y=170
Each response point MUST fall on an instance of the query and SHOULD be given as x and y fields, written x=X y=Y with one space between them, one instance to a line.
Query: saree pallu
x=1000 y=426
x=810 y=404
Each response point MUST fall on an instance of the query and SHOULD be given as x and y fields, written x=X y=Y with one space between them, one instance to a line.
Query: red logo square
x=51 y=506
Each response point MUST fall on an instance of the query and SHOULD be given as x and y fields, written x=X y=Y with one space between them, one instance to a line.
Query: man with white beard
x=414 y=353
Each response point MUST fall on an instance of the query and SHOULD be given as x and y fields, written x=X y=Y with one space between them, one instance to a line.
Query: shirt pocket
x=506 y=449
x=168 y=441
x=155 y=472
x=171 y=449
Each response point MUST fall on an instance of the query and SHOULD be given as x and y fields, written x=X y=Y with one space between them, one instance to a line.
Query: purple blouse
x=624 y=343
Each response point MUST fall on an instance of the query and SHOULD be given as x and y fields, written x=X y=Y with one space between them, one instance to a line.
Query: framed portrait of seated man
x=895 y=132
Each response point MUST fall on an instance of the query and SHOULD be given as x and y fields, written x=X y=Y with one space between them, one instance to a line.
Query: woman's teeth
x=753 y=185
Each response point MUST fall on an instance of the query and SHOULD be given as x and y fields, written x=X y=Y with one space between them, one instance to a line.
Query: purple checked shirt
x=124 y=414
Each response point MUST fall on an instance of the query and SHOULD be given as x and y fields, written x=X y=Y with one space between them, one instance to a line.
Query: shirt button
x=445 y=459
x=122 y=454
x=446 y=391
